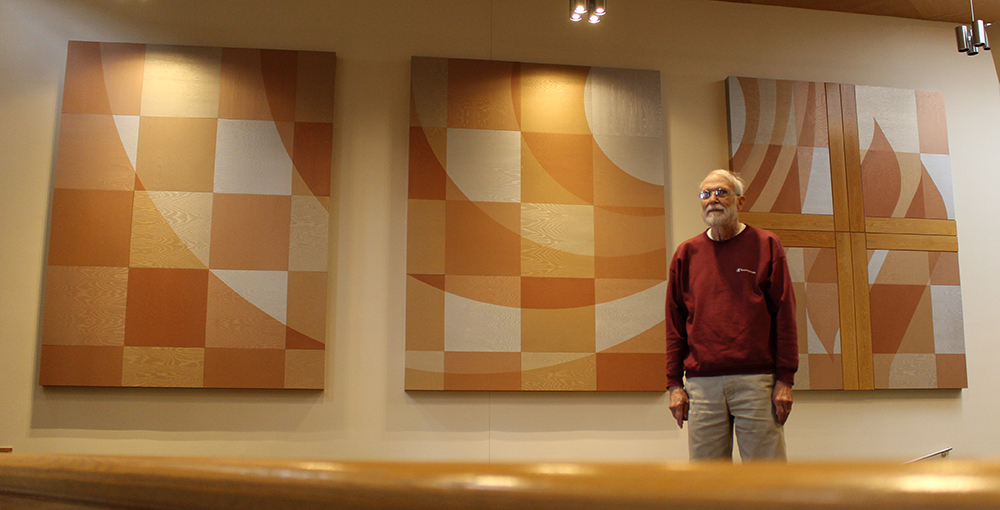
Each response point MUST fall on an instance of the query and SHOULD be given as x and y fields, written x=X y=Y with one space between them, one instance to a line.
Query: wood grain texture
x=911 y=242
x=806 y=239
x=862 y=312
x=838 y=162
x=84 y=482
x=85 y=305
x=910 y=226
x=167 y=367
x=955 y=11
x=783 y=221
x=848 y=320
x=852 y=159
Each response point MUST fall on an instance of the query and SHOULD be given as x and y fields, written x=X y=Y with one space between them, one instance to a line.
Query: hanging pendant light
x=971 y=38
x=593 y=10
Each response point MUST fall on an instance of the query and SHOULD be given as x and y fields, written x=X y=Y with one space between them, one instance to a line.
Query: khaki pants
x=741 y=403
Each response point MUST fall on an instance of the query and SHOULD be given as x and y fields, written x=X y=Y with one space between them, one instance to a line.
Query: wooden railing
x=85 y=482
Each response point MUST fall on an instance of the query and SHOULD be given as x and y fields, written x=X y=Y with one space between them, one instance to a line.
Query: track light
x=593 y=10
x=971 y=38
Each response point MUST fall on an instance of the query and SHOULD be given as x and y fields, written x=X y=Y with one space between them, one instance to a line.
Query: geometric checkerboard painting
x=190 y=216
x=857 y=183
x=536 y=237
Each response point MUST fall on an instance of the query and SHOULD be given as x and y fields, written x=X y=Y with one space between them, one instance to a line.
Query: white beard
x=717 y=217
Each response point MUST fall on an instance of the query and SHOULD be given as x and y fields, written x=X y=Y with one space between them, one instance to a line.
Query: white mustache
x=715 y=208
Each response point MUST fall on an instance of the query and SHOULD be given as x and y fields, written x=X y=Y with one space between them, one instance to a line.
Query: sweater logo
x=741 y=270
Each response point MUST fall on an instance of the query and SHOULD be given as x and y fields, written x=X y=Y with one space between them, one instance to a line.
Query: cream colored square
x=895 y=111
x=181 y=81
x=474 y=326
x=427 y=361
x=309 y=234
x=561 y=227
x=173 y=367
x=305 y=369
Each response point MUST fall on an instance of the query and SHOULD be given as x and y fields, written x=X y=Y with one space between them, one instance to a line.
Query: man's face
x=719 y=210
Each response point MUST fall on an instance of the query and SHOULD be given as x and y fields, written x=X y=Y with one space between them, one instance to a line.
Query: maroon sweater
x=731 y=309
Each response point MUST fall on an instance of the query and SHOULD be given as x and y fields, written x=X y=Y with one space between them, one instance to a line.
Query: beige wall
x=365 y=414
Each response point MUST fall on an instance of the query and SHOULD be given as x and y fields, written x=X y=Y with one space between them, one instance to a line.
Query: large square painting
x=536 y=237
x=190 y=217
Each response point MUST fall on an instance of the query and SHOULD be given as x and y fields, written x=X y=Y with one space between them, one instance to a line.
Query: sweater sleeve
x=676 y=315
x=786 y=330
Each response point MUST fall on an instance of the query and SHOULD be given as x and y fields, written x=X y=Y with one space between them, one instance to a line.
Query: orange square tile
x=425 y=236
x=176 y=154
x=90 y=228
x=826 y=372
x=314 y=86
x=932 y=124
x=557 y=292
x=482 y=371
x=425 y=312
x=556 y=371
x=242 y=92
x=427 y=173
x=312 y=155
x=567 y=159
x=480 y=94
x=250 y=232
x=245 y=368
x=92 y=155
x=166 y=307
x=558 y=330
x=482 y=238
x=423 y=380
x=234 y=321
x=951 y=371
x=123 y=70
x=85 y=91
x=307 y=304
x=614 y=187
x=631 y=372
x=81 y=365
x=85 y=305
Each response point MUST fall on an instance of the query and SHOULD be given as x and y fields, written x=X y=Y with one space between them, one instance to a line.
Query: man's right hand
x=679 y=404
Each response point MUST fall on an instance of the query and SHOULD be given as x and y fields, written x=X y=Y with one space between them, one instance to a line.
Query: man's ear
x=740 y=200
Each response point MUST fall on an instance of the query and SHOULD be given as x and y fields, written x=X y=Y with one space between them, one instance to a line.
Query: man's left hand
x=782 y=399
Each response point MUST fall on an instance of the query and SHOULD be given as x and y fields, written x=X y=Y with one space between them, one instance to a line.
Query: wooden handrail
x=87 y=482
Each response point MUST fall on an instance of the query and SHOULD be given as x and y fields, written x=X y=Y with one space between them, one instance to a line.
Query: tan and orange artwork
x=536 y=234
x=856 y=180
x=190 y=218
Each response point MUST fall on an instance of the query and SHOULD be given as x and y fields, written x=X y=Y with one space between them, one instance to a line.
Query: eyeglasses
x=719 y=192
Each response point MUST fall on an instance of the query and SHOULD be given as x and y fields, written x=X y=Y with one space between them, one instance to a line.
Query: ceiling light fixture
x=972 y=37
x=593 y=10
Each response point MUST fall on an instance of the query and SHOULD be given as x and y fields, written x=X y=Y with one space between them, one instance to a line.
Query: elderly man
x=731 y=330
